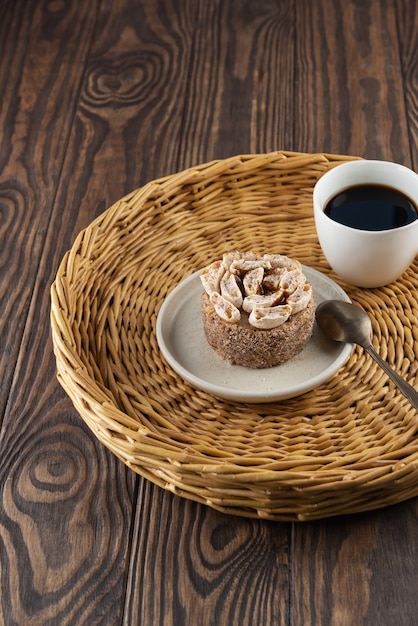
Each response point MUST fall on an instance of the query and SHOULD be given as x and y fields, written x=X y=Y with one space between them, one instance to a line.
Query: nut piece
x=271 y=281
x=261 y=302
x=299 y=299
x=211 y=277
x=225 y=309
x=270 y=317
x=253 y=281
x=243 y=265
x=279 y=261
x=229 y=257
x=292 y=280
x=230 y=289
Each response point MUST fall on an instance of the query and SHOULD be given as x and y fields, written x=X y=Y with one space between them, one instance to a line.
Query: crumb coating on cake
x=241 y=344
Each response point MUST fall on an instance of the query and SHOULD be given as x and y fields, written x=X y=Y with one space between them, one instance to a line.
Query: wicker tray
x=348 y=446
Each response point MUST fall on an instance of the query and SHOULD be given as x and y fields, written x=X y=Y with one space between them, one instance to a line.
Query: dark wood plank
x=407 y=26
x=66 y=502
x=349 y=89
x=43 y=50
x=192 y=565
x=358 y=570
x=240 y=91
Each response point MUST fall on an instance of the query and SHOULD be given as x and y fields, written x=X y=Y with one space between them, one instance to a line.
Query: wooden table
x=97 y=98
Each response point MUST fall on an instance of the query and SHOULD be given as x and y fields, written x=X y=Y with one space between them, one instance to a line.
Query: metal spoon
x=346 y=322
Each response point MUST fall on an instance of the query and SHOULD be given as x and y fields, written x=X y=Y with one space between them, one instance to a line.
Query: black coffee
x=371 y=207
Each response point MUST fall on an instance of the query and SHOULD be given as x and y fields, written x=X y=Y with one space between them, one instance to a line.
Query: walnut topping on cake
x=269 y=288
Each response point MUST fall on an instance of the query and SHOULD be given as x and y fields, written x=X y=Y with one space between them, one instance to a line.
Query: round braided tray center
x=350 y=445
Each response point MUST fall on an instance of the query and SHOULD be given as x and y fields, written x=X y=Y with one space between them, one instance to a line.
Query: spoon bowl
x=345 y=322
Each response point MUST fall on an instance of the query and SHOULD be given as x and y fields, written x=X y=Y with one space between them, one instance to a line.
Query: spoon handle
x=408 y=391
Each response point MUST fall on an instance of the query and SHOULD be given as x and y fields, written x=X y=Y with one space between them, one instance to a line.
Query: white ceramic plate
x=181 y=338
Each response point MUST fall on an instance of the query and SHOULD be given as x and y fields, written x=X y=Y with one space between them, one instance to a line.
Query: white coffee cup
x=366 y=258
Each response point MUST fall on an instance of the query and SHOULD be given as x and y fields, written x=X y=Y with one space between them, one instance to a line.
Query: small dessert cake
x=258 y=311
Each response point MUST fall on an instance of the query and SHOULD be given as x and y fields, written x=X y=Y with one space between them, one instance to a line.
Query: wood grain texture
x=192 y=564
x=407 y=25
x=43 y=49
x=349 y=79
x=240 y=92
x=63 y=549
x=97 y=99
x=363 y=572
